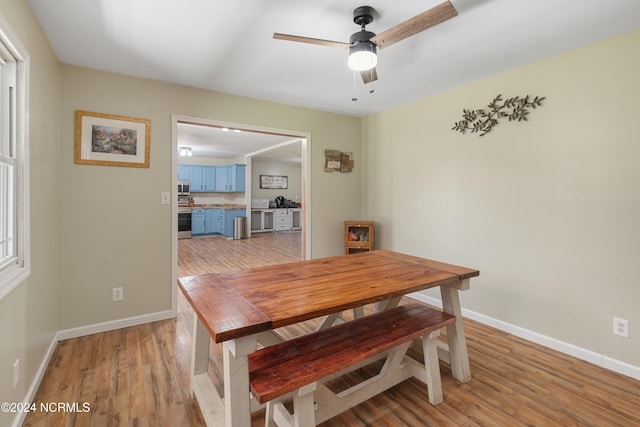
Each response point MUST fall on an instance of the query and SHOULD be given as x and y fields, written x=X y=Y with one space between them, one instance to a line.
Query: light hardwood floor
x=138 y=376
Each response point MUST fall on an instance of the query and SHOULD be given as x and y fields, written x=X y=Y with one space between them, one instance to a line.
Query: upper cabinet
x=236 y=178
x=202 y=179
x=221 y=179
x=184 y=173
x=213 y=179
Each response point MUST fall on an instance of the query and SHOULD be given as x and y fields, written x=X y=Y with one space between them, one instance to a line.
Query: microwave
x=183 y=188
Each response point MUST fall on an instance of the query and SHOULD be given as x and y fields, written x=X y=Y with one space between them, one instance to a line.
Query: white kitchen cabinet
x=267 y=219
x=262 y=220
x=256 y=221
x=282 y=219
x=296 y=220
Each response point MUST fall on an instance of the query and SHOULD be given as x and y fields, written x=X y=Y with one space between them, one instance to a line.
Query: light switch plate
x=165 y=198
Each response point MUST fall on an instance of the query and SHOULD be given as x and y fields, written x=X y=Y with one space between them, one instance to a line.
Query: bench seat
x=298 y=364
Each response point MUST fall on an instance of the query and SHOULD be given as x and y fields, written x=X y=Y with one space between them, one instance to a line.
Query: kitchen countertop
x=272 y=209
x=227 y=206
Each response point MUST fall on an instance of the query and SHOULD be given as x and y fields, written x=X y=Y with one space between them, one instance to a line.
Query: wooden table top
x=236 y=304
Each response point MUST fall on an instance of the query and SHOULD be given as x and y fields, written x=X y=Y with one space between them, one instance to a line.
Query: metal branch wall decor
x=482 y=121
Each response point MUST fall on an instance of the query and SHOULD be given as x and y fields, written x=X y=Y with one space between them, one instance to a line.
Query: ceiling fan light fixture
x=363 y=56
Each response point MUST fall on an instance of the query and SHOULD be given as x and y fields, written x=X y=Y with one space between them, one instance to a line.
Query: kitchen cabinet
x=198 y=222
x=214 y=179
x=281 y=219
x=221 y=179
x=202 y=179
x=184 y=173
x=215 y=221
x=228 y=221
x=257 y=216
x=211 y=221
x=262 y=220
x=358 y=236
x=230 y=179
x=236 y=178
x=296 y=219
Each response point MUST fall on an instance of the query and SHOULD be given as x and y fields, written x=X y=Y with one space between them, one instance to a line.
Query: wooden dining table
x=242 y=310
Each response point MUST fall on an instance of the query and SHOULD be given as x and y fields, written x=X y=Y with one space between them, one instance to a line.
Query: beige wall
x=28 y=315
x=113 y=229
x=546 y=209
x=291 y=171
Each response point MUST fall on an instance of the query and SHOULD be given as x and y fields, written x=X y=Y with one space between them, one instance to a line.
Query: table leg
x=330 y=320
x=202 y=388
x=386 y=304
x=199 y=349
x=236 y=381
x=455 y=335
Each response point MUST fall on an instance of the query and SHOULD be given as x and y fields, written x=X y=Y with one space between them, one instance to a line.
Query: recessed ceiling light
x=225 y=129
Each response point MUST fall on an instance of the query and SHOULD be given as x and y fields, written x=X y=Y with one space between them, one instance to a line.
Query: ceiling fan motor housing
x=360 y=36
x=362 y=53
x=363 y=15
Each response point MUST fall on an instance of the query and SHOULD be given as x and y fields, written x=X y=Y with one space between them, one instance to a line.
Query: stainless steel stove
x=184 y=222
x=184 y=211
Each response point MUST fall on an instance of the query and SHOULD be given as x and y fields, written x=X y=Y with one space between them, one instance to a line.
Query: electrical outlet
x=16 y=373
x=621 y=327
x=118 y=293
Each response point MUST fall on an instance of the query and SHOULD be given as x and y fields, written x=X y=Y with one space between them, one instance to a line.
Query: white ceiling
x=229 y=143
x=228 y=46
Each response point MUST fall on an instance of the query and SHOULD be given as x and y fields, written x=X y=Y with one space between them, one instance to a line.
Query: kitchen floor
x=216 y=254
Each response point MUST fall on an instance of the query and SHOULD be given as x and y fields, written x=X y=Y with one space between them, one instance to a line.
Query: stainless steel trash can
x=240 y=227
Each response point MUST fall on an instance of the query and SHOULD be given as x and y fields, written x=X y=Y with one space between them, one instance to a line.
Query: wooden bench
x=297 y=366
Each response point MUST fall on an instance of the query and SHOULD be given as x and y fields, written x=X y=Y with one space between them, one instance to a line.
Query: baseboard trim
x=97 y=328
x=80 y=332
x=35 y=384
x=549 y=342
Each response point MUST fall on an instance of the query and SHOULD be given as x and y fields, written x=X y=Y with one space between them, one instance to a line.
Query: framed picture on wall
x=109 y=140
x=275 y=182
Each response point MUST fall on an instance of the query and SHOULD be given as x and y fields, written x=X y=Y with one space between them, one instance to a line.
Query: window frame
x=14 y=273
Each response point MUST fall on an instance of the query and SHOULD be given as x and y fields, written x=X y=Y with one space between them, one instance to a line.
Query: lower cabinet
x=283 y=219
x=296 y=220
x=215 y=221
x=198 y=222
x=228 y=221
x=211 y=221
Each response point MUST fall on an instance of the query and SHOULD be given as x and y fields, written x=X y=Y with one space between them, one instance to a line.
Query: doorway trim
x=305 y=174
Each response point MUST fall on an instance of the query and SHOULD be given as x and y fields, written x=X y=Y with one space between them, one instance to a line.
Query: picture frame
x=111 y=140
x=274 y=182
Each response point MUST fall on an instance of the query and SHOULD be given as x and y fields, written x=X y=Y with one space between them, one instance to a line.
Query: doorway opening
x=263 y=150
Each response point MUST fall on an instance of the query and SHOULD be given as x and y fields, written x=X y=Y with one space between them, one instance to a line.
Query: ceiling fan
x=363 y=44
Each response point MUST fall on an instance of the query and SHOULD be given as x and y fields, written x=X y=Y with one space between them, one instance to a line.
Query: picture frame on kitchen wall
x=111 y=140
x=274 y=182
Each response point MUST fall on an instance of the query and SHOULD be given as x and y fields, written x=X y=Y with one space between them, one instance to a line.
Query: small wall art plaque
x=338 y=161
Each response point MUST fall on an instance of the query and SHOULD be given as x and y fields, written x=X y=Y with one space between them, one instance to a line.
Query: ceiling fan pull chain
x=354 y=98
x=371 y=89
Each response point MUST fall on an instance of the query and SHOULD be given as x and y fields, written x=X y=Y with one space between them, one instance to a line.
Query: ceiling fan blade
x=369 y=76
x=310 y=40
x=418 y=23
